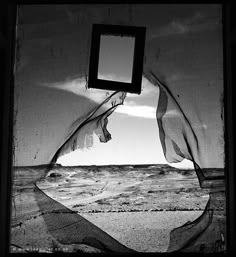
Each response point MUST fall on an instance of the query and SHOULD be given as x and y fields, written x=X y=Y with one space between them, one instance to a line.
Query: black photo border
x=139 y=34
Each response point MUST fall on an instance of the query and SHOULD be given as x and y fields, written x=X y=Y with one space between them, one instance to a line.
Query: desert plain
x=138 y=205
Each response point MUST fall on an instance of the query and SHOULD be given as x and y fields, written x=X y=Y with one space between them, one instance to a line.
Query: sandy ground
x=142 y=231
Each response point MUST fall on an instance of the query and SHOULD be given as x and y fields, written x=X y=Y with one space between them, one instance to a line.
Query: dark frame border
x=229 y=45
x=8 y=14
x=139 y=34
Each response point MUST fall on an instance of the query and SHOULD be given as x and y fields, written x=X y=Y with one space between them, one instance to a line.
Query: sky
x=135 y=135
x=183 y=43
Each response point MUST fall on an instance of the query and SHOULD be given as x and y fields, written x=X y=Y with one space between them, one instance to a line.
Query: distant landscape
x=138 y=205
x=115 y=188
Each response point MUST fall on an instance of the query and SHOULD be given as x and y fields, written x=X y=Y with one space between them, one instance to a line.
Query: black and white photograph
x=119 y=129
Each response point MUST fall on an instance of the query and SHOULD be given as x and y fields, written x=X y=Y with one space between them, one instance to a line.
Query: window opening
x=125 y=186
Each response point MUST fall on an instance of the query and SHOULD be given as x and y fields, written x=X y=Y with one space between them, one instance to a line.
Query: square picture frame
x=138 y=33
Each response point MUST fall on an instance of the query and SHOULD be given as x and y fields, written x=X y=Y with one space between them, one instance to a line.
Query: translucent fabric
x=186 y=134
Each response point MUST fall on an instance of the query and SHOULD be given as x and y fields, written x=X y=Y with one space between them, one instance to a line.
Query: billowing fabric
x=55 y=113
x=183 y=136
